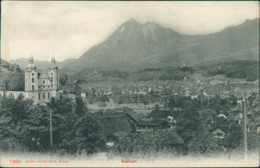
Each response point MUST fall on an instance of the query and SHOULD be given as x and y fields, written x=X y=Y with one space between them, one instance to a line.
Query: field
x=100 y=159
x=140 y=108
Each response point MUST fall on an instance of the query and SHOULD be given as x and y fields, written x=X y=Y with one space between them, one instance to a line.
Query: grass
x=163 y=160
x=112 y=105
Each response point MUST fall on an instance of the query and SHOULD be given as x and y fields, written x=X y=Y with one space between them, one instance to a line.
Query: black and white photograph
x=129 y=84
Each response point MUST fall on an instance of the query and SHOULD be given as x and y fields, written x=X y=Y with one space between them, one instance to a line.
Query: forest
x=244 y=69
x=248 y=70
x=25 y=127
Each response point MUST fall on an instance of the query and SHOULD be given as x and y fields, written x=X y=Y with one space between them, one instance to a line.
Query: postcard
x=129 y=84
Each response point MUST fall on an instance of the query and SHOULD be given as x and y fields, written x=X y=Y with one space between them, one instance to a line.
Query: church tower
x=31 y=76
x=54 y=77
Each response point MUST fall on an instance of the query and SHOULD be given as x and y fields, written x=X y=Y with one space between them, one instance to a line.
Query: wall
x=214 y=133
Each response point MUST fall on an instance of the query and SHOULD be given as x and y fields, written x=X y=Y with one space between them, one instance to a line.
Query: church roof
x=53 y=66
x=43 y=76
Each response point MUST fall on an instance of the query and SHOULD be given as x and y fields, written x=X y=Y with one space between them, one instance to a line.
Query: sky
x=68 y=29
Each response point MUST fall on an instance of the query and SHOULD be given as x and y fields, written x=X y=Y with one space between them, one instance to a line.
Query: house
x=223 y=114
x=194 y=96
x=220 y=132
x=142 y=93
x=112 y=126
x=147 y=124
x=172 y=137
x=162 y=115
x=83 y=95
x=258 y=128
x=221 y=120
x=71 y=95
x=108 y=93
x=239 y=118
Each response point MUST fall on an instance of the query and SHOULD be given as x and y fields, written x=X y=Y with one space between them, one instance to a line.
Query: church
x=40 y=84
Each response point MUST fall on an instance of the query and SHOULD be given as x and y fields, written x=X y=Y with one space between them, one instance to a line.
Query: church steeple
x=53 y=63
x=30 y=66
x=53 y=59
x=31 y=59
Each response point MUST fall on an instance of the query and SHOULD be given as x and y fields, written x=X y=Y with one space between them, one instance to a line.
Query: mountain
x=7 y=68
x=23 y=62
x=135 y=46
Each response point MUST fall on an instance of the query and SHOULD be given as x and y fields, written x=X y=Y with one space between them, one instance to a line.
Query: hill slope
x=23 y=62
x=135 y=45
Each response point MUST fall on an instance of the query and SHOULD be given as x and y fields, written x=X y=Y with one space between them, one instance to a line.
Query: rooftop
x=159 y=113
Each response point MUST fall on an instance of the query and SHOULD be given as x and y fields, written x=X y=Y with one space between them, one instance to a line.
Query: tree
x=156 y=107
x=80 y=106
x=35 y=129
x=251 y=99
x=203 y=142
x=64 y=79
x=232 y=100
x=187 y=123
x=143 y=100
x=171 y=102
x=206 y=118
x=235 y=137
x=91 y=132
x=12 y=114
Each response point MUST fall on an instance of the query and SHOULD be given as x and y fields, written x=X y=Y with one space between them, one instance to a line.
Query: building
x=220 y=132
x=40 y=85
x=147 y=124
x=83 y=95
x=163 y=121
x=162 y=115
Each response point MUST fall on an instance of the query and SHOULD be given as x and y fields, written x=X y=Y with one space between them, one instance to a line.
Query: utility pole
x=244 y=128
x=51 y=130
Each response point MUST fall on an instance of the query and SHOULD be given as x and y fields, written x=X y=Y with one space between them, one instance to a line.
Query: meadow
x=234 y=159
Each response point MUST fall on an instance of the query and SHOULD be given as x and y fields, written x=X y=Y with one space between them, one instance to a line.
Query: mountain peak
x=132 y=20
x=137 y=45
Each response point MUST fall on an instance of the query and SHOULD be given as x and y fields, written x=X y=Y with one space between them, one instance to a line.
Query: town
x=129 y=83
x=163 y=107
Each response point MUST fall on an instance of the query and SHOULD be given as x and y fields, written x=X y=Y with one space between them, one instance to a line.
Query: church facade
x=40 y=84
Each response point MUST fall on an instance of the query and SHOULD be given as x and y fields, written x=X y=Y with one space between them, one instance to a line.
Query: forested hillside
x=11 y=76
x=248 y=70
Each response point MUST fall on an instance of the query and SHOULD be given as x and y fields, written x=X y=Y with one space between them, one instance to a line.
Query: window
x=219 y=134
x=11 y=95
x=32 y=80
x=48 y=95
x=43 y=82
x=57 y=86
x=51 y=78
x=51 y=74
x=43 y=95
x=21 y=96
x=39 y=96
x=32 y=74
x=32 y=87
